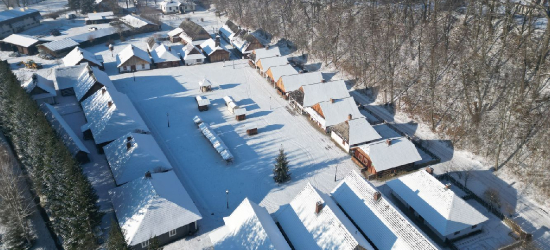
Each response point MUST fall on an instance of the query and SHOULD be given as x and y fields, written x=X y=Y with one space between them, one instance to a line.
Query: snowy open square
x=164 y=95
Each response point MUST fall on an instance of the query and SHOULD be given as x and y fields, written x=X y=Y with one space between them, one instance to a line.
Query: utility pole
x=227 y=196
x=168 y=119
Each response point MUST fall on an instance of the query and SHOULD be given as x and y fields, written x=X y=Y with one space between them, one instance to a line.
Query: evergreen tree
x=116 y=239
x=280 y=171
x=86 y=6
x=154 y=244
x=74 y=5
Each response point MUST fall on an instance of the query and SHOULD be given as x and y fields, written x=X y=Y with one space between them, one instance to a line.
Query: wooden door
x=133 y=67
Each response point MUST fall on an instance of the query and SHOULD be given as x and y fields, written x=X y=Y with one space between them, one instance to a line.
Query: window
x=457 y=232
x=143 y=66
x=145 y=244
x=172 y=233
x=474 y=226
x=124 y=68
x=169 y=8
x=199 y=60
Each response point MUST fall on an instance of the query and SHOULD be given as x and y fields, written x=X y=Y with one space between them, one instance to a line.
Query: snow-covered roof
x=151 y=206
x=20 y=40
x=248 y=227
x=135 y=21
x=385 y=226
x=144 y=155
x=101 y=16
x=175 y=32
x=191 y=52
x=163 y=54
x=209 y=46
x=205 y=82
x=266 y=52
x=283 y=70
x=337 y=111
x=356 y=131
x=170 y=3
x=226 y=31
x=439 y=206
x=400 y=152
x=110 y=114
x=322 y=91
x=273 y=61
x=88 y=78
x=129 y=52
x=96 y=34
x=216 y=142
x=328 y=229
x=60 y=44
x=66 y=77
x=294 y=81
x=77 y=55
x=64 y=131
x=38 y=81
x=202 y=101
x=15 y=13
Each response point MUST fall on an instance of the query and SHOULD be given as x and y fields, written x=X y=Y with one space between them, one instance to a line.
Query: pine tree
x=86 y=6
x=116 y=239
x=74 y=4
x=280 y=171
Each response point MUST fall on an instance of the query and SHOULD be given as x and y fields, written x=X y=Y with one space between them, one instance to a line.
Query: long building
x=18 y=20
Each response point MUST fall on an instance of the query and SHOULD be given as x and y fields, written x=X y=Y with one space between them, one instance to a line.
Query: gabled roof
x=169 y=3
x=110 y=123
x=273 y=61
x=64 y=131
x=283 y=70
x=77 y=55
x=101 y=16
x=88 y=78
x=135 y=21
x=248 y=227
x=337 y=111
x=163 y=54
x=60 y=44
x=209 y=46
x=380 y=221
x=226 y=31
x=38 y=81
x=148 y=207
x=356 y=131
x=191 y=52
x=194 y=31
x=232 y=26
x=321 y=91
x=329 y=229
x=66 y=77
x=440 y=207
x=16 y=12
x=175 y=32
x=129 y=52
x=295 y=81
x=266 y=52
x=20 y=40
x=143 y=155
x=400 y=152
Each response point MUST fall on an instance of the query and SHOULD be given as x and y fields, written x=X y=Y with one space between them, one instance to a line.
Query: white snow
x=135 y=22
x=283 y=70
x=129 y=52
x=272 y=61
x=295 y=81
x=163 y=54
x=317 y=92
x=69 y=137
x=88 y=78
x=77 y=55
x=266 y=52
x=60 y=44
x=21 y=40
x=400 y=152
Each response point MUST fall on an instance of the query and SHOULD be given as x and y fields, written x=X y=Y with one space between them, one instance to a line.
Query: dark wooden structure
x=194 y=31
x=363 y=160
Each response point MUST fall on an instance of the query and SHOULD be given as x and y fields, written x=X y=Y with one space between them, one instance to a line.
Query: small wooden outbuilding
x=20 y=43
x=202 y=103
x=205 y=85
x=251 y=128
x=240 y=113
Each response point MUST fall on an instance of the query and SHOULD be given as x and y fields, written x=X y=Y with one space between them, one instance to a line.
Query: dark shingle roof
x=195 y=31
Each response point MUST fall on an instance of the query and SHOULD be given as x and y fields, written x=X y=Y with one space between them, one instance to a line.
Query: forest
x=475 y=71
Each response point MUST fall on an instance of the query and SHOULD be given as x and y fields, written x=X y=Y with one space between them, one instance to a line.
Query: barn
x=437 y=206
x=91 y=80
x=192 y=55
x=385 y=156
x=40 y=89
x=134 y=154
x=21 y=43
x=163 y=57
x=75 y=146
x=59 y=48
x=213 y=51
x=110 y=115
x=155 y=204
x=193 y=33
x=17 y=20
x=79 y=55
x=354 y=132
x=132 y=59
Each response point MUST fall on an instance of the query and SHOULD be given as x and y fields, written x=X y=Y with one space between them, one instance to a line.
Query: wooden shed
x=240 y=113
x=251 y=128
x=202 y=103
x=58 y=48
x=20 y=43
x=205 y=85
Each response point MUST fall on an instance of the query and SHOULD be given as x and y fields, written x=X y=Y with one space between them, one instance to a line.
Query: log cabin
x=132 y=59
x=213 y=51
x=163 y=57
x=274 y=73
x=290 y=83
x=332 y=112
x=79 y=55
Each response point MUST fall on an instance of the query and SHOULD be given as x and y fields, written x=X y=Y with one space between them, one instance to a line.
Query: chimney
x=110 y=103
x=388 y=142
x=129 y=138
x=217 y=41
x=147 y=174
x=128 y=146
x=447 y=186
x=103 y=90
x=349 y=117
x=377 y=195
x=331 y=100
x=318 y=207
x=430 y=170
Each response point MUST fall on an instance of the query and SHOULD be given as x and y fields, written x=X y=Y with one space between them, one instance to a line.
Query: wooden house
x=310 y=94
x=66 y=77
x=386 y=156
x=58 y=48
x=292 y=82
x=246 y=42
x=192 y=32
x=40 y=89
x=91 y=80
x=17 y=20
x=171 y=7
x=274 y=73
x=100 y=17
x=139 y=24
x=132 y=59
x=21 y=43
x=352 y=133
x=174 y=35
x=164 y=58
x=270 y=51
x=192 y=55
x=213 y=51
x=240 y=113
x=202 y=103
x=265 y=63
x=228 y=30
x=334 y=111
x=75 y=146
x=79 y=55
